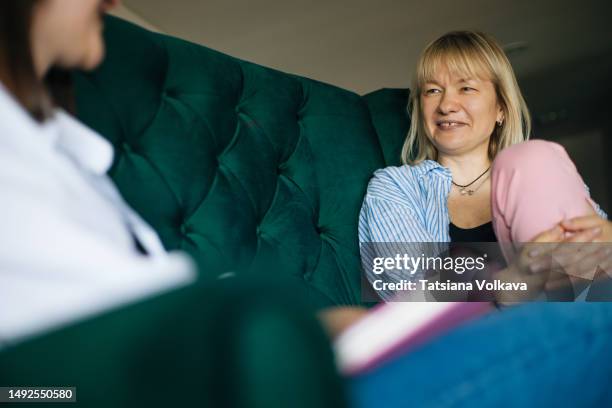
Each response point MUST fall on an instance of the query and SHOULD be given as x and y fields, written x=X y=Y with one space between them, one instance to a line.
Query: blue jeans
x=534 y=355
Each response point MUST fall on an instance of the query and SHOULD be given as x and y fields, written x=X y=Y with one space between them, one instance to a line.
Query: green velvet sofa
x=236 y=163
x=259 y=175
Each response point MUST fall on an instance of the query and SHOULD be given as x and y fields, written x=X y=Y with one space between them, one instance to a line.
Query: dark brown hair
x=17 y=71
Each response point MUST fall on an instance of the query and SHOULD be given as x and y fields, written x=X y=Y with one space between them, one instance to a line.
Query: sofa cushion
x=389 y=110
x=235 y=163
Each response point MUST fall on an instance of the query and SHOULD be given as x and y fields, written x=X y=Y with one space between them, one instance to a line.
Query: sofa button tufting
x=126 y=147
x=184 y=229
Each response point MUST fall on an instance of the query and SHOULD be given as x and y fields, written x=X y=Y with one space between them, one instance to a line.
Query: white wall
x=127 y=14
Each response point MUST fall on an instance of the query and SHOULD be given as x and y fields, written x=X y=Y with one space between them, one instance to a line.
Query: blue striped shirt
x=404 y=205
x=407 y=204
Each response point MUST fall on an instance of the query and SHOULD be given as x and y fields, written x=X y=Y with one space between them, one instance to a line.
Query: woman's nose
x=448 y=103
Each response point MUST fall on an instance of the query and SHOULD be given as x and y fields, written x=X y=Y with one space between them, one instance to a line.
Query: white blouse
x=66 y=236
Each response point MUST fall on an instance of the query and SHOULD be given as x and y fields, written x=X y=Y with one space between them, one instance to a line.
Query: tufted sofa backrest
x=235 y=163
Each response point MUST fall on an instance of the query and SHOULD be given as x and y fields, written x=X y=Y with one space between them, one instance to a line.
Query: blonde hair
x=475 y=55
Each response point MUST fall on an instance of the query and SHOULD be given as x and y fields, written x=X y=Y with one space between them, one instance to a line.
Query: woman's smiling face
x=459 y=112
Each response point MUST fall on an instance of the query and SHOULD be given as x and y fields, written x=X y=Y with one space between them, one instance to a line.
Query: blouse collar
x=60 y=131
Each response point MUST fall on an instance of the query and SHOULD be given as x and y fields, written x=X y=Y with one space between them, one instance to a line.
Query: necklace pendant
x=470 y=192
x=463 y=191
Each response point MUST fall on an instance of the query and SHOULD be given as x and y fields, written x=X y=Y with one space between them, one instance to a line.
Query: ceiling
x=364 y=45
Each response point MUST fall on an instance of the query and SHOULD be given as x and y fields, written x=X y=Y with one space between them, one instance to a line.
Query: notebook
x=391 y=329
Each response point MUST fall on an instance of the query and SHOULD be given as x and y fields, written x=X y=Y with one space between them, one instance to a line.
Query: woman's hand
x=600 y=227
x=585 y=254
x=565 y=259
x=337 y=319
x=528 y=267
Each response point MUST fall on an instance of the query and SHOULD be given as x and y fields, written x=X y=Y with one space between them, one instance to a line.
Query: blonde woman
x=470 y=175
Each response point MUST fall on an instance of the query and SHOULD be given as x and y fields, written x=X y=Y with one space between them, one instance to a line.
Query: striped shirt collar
x=427 y=168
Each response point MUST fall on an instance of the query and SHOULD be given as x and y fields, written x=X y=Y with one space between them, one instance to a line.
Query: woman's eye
x=467 y=89
x=431 y=91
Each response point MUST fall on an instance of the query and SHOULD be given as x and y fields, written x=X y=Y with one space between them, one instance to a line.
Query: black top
x=481 y=233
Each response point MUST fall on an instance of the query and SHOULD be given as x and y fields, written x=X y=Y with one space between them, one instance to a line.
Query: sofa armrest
x=231 y=343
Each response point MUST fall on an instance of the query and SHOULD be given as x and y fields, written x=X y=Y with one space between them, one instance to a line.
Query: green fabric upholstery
x=236 y=343
x=389 y=110
x=235 y=163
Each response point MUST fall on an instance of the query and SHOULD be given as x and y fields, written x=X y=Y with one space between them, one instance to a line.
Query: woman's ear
x=500 y=116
